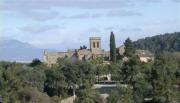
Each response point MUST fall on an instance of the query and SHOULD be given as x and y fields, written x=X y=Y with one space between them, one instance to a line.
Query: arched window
x=94 y=44
x=97 y=44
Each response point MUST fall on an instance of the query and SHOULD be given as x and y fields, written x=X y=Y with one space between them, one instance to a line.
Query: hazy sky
x=62 y=24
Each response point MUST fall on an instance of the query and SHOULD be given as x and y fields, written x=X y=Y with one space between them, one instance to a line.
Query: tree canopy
x=129 y=48
x=169 y=42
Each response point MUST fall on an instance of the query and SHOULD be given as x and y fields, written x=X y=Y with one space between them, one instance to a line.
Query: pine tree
x=112 y=48
x=129 y=48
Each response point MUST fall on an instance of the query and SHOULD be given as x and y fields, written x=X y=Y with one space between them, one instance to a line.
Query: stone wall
x=51 y=57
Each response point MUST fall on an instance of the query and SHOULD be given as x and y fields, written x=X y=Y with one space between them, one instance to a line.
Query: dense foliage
x=153 y=82
x=129 y=48
x=156 y=44
x=88 y=96
x=156 y=81
x=35 y=62
x=24 y=83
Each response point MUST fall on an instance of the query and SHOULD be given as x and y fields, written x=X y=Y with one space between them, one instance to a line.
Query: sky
x=68 y=24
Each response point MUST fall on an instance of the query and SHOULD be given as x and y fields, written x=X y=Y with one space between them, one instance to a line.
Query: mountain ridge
x=14 y=50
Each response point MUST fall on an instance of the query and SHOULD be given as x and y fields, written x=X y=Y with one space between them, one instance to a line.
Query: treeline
x=158 y=80
x=168 y=42
x=38 y=83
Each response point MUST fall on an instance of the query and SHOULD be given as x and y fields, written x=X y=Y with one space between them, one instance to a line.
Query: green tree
x=129 y=48
x=134 y=77
x=98 y=63
x=34 y=78
x=77 y=74
x=163 y=77
x=35 y=62
x=55 y=84
x=12 y=82
x=130 y=70
x=115 y=70
x=86 y=74
x=112 y=48
x=121 y=95
x=114 y=97
x=88 y=96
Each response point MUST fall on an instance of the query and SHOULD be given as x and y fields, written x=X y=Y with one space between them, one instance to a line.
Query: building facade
x=144 y=55
x=94 y=51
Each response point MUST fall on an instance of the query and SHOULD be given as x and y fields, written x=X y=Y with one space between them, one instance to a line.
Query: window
x=97 y=44
x=93 y=44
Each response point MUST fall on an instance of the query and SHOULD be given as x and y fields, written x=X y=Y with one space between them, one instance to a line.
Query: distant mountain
x=168 y=42
x=13 y=50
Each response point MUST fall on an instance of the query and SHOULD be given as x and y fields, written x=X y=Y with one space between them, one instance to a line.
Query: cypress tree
x=112 y=48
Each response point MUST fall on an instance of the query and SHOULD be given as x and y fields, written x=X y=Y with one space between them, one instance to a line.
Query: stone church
x=94 y=51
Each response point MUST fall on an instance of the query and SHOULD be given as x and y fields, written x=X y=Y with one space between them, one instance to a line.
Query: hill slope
x=167 y=42
x=13 y=50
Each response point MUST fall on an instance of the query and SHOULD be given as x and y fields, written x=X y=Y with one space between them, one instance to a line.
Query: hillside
x=14 y=50
x=167 y=42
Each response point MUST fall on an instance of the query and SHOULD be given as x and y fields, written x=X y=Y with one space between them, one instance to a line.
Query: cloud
x=80 y=16
x=47 y=4
x=85 y=15
x=40 y=15
x=109 y=28
x=19 y=5
x=44 y=10
x=96 y=15
x=93 y=30
x=38 y=28
x=125 y=29
x=130 y=29
x=178 y=1
x=113 y=13
x=123 y=13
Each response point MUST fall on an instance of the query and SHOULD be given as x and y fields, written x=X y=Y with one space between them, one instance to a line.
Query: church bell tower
x=95 y=44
